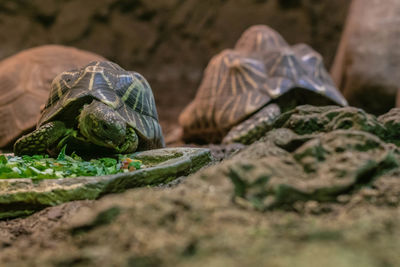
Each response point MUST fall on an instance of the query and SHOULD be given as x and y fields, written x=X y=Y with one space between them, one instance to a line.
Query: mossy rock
x=314 y=153
x=24 y=196
x=308 y=119
x=301 y=168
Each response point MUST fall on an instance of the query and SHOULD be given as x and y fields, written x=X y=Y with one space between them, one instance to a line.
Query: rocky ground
x=321 y=189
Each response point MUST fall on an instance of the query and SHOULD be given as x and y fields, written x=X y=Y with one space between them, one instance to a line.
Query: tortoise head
x=100 y=124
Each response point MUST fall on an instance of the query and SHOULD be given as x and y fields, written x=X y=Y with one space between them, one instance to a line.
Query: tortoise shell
x=233 y=87
x=25 y=80
x=258 y=39
x=262 y=68
x=127 y=92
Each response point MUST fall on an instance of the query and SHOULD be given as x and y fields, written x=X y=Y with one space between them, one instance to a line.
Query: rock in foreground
x=24 y=196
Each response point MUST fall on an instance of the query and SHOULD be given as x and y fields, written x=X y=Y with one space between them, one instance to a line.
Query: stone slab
x=24 y=196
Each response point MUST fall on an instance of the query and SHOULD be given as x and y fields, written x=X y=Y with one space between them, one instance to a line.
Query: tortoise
x=244 y=89
x=25 y=80
x=100 y=108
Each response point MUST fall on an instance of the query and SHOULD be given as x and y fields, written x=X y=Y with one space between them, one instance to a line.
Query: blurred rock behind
x=168 y=41
x=366 y=67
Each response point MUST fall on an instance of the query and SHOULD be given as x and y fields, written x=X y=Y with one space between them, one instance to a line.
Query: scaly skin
x=98 y=124
x=49 y=136
x=131 y=142
x=254 y=127
x=101 y=125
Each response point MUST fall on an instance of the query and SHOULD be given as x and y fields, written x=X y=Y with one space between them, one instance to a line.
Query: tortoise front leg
x=48 y=137
x=254 y=127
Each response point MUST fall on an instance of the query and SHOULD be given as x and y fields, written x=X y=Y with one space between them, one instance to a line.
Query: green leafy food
x=61 y=155
x=44 y=167
x=131 y=164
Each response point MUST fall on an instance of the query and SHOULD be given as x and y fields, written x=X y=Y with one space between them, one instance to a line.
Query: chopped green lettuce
x=44 y=167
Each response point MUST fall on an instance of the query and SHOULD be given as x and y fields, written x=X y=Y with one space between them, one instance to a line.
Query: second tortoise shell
x=237 y=83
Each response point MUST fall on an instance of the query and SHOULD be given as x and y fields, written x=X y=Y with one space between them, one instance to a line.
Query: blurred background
x=169 y=41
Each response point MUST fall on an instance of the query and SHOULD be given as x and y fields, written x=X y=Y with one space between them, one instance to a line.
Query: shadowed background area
x=169 y=41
